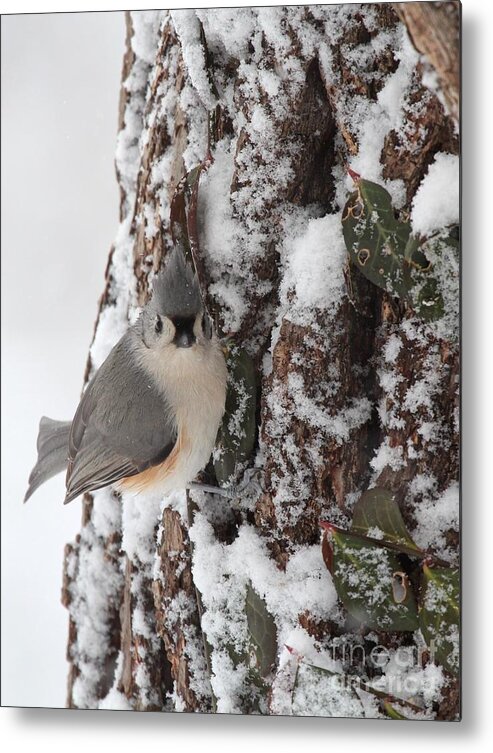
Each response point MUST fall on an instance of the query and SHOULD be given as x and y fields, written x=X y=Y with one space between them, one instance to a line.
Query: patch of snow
x=392 y=348
x=187 y=26
x=144 y=40
x=314 y=262
x=95 y=594
x=435 y=515
x=436 y=203
x=387 y=456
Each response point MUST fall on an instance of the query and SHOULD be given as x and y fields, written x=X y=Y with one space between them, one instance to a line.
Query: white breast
x=193 y=381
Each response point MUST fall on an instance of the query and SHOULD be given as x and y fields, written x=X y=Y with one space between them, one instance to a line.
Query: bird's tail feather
x=52 y=452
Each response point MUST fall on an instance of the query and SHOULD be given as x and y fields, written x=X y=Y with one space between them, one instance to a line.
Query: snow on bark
x=353 y=390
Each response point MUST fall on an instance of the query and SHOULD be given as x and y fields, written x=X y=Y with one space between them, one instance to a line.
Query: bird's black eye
x=158 y=327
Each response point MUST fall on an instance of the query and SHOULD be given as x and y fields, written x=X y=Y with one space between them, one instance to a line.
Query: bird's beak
x=184 y=339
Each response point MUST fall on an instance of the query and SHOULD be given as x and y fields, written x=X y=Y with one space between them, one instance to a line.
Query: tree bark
x=434 y=29
x=289 y=118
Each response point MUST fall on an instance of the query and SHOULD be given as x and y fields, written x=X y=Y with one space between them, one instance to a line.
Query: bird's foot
x=250 y=485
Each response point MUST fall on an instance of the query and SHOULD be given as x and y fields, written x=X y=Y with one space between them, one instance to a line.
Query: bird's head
x=175 y=316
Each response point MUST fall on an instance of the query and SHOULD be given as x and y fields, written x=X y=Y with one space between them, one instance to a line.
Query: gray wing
x=121 y=427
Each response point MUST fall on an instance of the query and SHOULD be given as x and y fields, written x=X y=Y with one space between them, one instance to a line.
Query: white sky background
x=60 y=89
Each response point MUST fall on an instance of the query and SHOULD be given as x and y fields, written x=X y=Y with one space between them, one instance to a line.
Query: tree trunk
x=354 y=389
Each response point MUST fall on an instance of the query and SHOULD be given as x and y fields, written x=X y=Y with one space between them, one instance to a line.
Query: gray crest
x=176 y=289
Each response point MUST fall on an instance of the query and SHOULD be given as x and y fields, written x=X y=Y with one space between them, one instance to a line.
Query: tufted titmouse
x=150 y=415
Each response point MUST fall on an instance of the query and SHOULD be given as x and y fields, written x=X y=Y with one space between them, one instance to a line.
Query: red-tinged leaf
x=327 y=553
x=183 y=218
x=193 y=180
x=209 y=61
x=178 y=216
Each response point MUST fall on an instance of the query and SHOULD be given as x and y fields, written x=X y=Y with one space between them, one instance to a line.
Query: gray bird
x=150 y=415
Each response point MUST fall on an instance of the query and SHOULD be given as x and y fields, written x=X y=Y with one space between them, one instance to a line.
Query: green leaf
x=380 y=245
x=426 y=299
x=364 y=577
x=263 y=632
x=439 y=615
x=377 y=514
x=386 y=252
x=256 y=694
x=236 y=436
x=430 y=293
x=392 y=712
